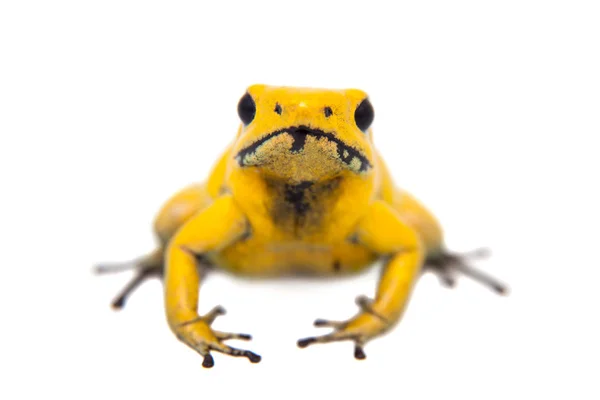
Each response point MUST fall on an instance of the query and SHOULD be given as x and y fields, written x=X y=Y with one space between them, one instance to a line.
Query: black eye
x=278 y=108
x=328 y=112
x=364 y=114
x=246 y=109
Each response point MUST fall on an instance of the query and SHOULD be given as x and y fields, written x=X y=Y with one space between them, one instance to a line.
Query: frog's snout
x=298 y=135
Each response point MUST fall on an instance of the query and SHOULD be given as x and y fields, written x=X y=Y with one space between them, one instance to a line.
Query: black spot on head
x=278 y=109
x=328 y=112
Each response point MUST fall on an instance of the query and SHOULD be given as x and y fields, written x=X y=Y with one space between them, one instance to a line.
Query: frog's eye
x=246 y=108
x=364 y=114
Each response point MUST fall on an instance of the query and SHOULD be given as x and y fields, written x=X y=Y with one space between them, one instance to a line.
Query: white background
x=487 y=111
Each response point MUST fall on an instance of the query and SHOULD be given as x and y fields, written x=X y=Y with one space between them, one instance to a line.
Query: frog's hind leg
x=173 y=214
x=146 y=267
x=446 y=265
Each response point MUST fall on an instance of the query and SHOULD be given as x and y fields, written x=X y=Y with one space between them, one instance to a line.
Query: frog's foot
x=360 y=329
x=198 y=334
x=447 y=265
x=145 y=267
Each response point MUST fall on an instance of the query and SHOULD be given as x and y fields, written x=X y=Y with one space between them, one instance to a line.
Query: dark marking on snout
x=299 y=137
x=299 y=133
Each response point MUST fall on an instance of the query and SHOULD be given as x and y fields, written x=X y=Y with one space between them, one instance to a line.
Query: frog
x=300 y=190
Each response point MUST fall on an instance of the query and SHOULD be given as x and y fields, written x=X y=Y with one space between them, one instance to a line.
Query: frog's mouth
x=301 y=137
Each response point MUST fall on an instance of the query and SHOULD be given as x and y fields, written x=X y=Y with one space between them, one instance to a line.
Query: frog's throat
x=349 y=155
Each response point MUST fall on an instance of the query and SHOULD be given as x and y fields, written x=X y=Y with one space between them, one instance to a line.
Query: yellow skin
x=301 y=190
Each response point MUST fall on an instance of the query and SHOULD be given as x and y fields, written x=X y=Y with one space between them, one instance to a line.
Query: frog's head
x=302 y=134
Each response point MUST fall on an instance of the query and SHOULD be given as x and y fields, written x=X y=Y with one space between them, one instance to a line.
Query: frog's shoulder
x=384 y=183
x=216 y=182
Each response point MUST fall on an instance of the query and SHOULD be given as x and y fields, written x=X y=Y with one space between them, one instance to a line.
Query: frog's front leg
x=382 y=231
x=210 y=231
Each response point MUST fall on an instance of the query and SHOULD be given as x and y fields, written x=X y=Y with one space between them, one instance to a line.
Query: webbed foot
x=198 y=334
x=447 y=265
x=145 y=268
x=364 y=326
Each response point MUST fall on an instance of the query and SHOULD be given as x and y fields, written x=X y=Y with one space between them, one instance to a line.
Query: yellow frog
x=301 y=190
